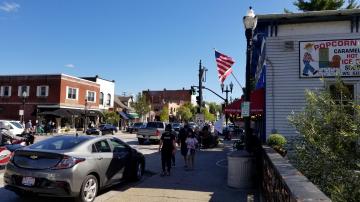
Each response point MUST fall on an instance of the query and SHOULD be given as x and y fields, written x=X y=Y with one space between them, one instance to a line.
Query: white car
x=14 y=126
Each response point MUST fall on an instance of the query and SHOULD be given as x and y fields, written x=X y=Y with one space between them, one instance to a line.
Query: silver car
x=72 y=166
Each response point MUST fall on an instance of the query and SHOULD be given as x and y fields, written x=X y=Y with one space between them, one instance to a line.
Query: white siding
x=106 y=87
x=284 y=89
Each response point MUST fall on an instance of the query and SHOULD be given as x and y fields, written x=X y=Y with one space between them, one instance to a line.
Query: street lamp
x=226 y=98
x=85 y=120
x=250 y=22
x=23 y=96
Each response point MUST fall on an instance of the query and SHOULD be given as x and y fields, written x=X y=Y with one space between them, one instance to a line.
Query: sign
x=245 y=109
x=21 y=112
x=329 y=58
x=199 y=118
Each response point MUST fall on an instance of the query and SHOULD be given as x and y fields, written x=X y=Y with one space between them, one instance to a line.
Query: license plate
x=28 y=181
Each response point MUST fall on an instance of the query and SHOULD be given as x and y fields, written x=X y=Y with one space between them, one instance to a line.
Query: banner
x=330 y=58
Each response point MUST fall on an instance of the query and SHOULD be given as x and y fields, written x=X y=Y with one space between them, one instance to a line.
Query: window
x=118 y=145
x=60 y=143
x=102 y=146
x=90 y=96
x=42 y=91
x=101 y=98
x=342 y=95
x=108 y=99
x=22 y=89
x=5 y=91
x=72 y=93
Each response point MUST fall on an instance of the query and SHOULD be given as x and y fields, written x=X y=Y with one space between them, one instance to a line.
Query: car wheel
x=138 y=171
x=141 y=141
x=89 y=189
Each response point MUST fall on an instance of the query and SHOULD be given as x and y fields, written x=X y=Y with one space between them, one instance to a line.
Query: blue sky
x=141 y=44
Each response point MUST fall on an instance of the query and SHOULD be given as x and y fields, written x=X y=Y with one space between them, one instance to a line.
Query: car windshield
x=59 y=143
x=16 y=124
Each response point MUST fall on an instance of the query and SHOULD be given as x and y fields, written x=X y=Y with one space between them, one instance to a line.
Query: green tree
x=319 y=5
x=214 y=108
x=164 y=115
x=141 y=106
x=185 y=113
x=328 y=153
x=207 y=115
x=111 y=117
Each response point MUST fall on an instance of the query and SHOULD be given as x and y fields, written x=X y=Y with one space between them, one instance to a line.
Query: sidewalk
x=208 y=182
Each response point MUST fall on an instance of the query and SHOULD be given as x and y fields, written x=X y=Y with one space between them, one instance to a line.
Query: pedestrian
x=183 y=133
x=167 y=147
x=28 y=127
x=191 y=143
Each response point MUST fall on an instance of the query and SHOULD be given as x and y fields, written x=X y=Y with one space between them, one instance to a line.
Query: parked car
x=135 y=127
x=104 y=128
x=72 y=166
x=151 y=133
x=176 y=126
x=13 y=126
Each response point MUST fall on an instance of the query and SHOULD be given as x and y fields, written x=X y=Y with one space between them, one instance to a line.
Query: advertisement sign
x=329 y=58
x=21 y=112
x=245 y=109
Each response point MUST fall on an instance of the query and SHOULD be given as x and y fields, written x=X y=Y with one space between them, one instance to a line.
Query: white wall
x=284 y=88
x=106 y=87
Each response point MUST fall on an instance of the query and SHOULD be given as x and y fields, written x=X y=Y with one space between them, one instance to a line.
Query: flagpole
x=236 y=80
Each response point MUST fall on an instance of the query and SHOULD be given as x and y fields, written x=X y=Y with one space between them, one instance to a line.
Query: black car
x=104 y=128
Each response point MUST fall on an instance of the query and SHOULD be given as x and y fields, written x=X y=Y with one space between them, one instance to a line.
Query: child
x=191 y=143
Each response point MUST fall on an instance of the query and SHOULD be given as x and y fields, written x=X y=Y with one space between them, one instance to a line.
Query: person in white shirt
x=191 y=143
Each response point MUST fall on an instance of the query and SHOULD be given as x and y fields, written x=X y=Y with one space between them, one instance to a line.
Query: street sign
x=199 y=118
x=21 y=112
x=245 y=109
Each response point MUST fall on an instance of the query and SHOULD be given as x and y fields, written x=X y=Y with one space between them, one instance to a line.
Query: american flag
x=224 y=64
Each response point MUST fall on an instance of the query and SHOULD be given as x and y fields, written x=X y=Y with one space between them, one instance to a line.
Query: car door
x=122 y=157
x=104 y=157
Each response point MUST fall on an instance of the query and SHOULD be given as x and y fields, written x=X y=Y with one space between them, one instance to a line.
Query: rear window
x=16 y=124
x=155 y=125
x=58 y=143
x=137 y=124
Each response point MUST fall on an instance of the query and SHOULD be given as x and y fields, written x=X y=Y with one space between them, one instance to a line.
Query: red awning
x=256 y=103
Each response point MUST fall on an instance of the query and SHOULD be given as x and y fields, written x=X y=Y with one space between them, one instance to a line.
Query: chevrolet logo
x=33 y=157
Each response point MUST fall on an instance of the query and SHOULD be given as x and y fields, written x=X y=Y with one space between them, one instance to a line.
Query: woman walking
x=191 y=143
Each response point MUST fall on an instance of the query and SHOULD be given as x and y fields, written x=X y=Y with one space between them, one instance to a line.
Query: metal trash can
x=241 y=170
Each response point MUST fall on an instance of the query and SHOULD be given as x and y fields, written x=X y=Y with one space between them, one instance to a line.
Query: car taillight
x=68 y=162
x=157 y=133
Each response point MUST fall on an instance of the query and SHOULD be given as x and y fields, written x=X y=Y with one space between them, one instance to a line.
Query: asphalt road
x=208 y=182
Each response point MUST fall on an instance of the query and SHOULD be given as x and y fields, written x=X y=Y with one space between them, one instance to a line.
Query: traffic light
x=193 y=91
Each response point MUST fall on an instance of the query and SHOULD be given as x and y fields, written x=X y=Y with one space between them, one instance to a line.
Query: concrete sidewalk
x=208 y=182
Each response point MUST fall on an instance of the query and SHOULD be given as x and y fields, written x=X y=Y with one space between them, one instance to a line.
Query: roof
x=124 y=98
x=94 y=78
x=310 y=16
x=118 y=101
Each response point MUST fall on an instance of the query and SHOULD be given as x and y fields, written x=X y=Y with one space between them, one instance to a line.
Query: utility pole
x=200 y=98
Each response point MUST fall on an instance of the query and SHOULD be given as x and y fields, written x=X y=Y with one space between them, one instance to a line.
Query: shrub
x=276 y=140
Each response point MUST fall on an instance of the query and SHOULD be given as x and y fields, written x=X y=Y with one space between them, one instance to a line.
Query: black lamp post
x=227 y=90
x=23 y=96
x=85 y=120
x=250 y=21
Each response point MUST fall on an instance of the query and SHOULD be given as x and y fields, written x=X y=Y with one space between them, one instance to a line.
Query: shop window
x=72 y=93
x=90 y=96
x=42 y=91
x=5 y=91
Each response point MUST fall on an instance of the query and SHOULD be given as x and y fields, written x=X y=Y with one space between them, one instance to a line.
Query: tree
x=328 y=153
x=214 y=108
x=141 y=106
x=319 y=5
x=111 y=117
x=207 y=115
x=164 y=115
x=185 y=113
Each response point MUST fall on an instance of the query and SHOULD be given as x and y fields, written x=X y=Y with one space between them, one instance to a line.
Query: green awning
x=133 y=115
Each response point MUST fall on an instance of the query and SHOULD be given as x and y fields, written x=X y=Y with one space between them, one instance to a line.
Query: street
x=208 y=182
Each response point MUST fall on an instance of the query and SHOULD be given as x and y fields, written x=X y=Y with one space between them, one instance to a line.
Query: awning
x=256 y=103
x=133 y=115
x=123 y=115
x=67 y=112
x=58 y=112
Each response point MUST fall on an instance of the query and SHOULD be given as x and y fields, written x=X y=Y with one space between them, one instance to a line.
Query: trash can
x=241 y=170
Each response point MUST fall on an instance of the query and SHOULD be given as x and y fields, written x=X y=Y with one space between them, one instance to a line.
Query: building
x=63 y=99
x=122 y=104
x=173 y=99
x=292 y=52
x=107 y=92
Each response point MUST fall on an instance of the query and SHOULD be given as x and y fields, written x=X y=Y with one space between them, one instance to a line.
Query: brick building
x=173 y=99
x=61 y=98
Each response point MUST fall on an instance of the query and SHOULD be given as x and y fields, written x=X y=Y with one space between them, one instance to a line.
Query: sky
x=141 y=44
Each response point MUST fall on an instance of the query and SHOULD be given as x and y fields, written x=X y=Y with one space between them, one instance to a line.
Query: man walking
x=183 y=134
x=167 y=147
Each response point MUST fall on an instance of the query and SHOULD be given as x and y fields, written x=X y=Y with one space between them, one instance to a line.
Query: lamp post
x=85 y=120
x=24 y=95
x=250 y=21
x=227 y=90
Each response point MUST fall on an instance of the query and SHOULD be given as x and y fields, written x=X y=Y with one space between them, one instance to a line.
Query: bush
x=276 y=140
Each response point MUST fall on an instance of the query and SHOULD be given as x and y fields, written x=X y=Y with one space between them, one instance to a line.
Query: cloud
x=70 y=65
x=9 y=7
